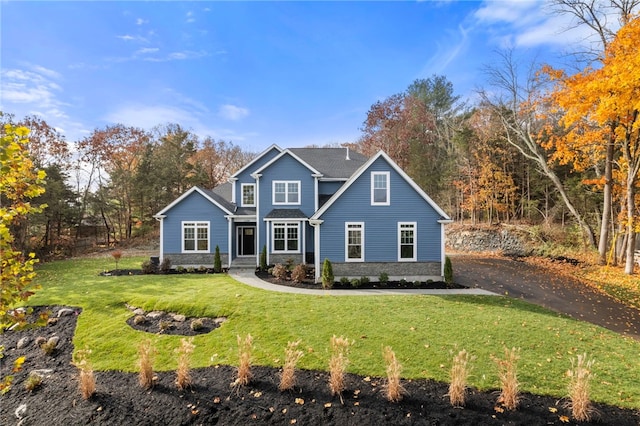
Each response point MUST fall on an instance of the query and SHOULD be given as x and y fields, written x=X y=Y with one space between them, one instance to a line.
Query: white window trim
x=287 y=225
x=196 y=224
x=244 y=185
x=346 y=242
x=415 y=242
x=286 y=192
x=373 y=175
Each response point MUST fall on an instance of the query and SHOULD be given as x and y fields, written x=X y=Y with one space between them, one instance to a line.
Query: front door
x=246 y=238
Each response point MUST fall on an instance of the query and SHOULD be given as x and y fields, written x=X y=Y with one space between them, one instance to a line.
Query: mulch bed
x=213 y=400
x=390 y=285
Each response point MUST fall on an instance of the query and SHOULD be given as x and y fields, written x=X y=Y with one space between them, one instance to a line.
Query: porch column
x=229 y=240
x=316 y=247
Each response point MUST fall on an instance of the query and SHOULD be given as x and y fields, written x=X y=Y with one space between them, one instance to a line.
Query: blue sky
x=254 y=73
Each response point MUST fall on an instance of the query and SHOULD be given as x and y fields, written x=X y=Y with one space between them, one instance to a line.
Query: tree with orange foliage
x=603 y=104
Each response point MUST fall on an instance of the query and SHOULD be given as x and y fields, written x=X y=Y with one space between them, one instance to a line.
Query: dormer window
x=286 y=192
x=380 y=189
x=248 y=195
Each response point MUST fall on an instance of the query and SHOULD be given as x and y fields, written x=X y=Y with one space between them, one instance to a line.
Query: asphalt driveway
x=534 y=284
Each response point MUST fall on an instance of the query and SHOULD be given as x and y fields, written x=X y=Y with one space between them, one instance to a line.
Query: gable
x=357 y=190
x=201 y=194
x=258 y=162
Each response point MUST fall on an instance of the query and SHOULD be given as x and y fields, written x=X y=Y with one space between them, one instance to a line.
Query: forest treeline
x=538 y=144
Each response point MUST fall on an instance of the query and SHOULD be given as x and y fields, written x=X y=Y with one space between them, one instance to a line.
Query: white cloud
x=232 y=112
x=190 y=17
x=141 y=21
x=128 y=37
x=178 y=56
x=31 y=89
x=146 y=50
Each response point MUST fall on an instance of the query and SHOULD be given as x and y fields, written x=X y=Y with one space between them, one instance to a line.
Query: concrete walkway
x=248 y=277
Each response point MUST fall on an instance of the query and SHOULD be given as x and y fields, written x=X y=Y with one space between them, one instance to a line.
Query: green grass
x=424 y=331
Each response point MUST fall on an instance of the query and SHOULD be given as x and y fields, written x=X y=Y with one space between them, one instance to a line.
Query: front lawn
x=424 y=331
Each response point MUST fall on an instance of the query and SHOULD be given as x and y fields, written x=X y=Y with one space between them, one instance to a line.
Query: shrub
x=580 y=375
x=507 y=373
x=180 y=269
x=394 y=388
x=403 y=281
x=327 y=274
x=280 y=272
x=417 y=283
x=299 y=273
x=139 y=319
x=149 y=267
x=86 y=379
x=33 y=381
x=49 y=346
x=217 y=262
x=146 y=354
x=345 y=281
x=116 y=256
x=291 y=357
x=364 y=280
x=164 y=325
x=448 y=271
x=183 y=373
x=459 y=375
x=245 y=347
x=355 y=282
x=165 y=266
x=383 y=278
x=202 y=268
x=338 y=364
x=263 y=258
x=197 y=324
x=191 y=270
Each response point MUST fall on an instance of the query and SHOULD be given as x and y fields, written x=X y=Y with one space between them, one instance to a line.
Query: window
x=286 y=192
x=407 y=241
x=195 y=237
x=379 y=188
x=354 y=238
x=285 y=237
x=248 y=195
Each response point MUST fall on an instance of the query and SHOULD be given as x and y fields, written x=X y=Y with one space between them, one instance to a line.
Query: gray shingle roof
x=285 y=214
x=331 y=162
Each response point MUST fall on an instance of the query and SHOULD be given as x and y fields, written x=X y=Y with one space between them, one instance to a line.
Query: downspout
x=443 y=255
x=257 y=177
x=229 y=241
x=161 y=220
x=316 y=247
x=304 y=242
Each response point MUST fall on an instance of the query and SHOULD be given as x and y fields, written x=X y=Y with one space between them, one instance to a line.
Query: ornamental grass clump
x=394 y=389
x=459 y=376
x=299 y=273
x=183 y=373
x=291 y=357
x=245 y=348
x=338 y=364
x=86 y=378
x=116 y=256
x=280 y=271
x=507 y=373
x=146 y=355
x=579 y=388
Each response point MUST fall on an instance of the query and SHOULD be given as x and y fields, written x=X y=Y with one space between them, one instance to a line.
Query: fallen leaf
x=257 y=394
x=553 y=409
x=216 y=400
x=564 y=419
x=327 y=405
x=299 y=401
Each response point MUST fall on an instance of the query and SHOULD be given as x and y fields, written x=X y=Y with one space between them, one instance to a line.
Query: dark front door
x=246 y=240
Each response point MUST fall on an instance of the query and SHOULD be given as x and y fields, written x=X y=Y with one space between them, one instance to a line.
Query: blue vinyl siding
x=194 y=208
x=329 y=188
x=286 y=169
x=381 y=222
x=245 y=176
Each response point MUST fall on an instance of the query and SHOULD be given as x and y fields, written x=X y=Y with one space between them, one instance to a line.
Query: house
x=309 y=204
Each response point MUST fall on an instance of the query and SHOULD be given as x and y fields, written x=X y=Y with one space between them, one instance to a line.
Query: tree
x=595 y=15
x=518 y=108
x=607 y=97
x=19 y=182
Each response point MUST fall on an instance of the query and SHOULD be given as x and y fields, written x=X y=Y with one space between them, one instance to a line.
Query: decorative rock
x=23 y=343
x=178 y=317
x=155 y=314
x=40 y=340
x=138 y=311
x=53 y=340
x=43 y=372
x=52 y=321
x=219 y=320
x=65 y=312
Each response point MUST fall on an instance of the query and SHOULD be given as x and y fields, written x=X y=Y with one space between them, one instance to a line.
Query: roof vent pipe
x=347 y=154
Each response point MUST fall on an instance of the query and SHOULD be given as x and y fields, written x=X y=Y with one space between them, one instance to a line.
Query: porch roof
x=286 y=214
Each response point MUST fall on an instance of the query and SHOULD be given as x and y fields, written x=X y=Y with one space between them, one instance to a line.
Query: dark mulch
x=213 y=400
x=390 y=285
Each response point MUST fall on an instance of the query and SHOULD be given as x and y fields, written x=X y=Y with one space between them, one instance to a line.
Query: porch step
x=243 y=263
